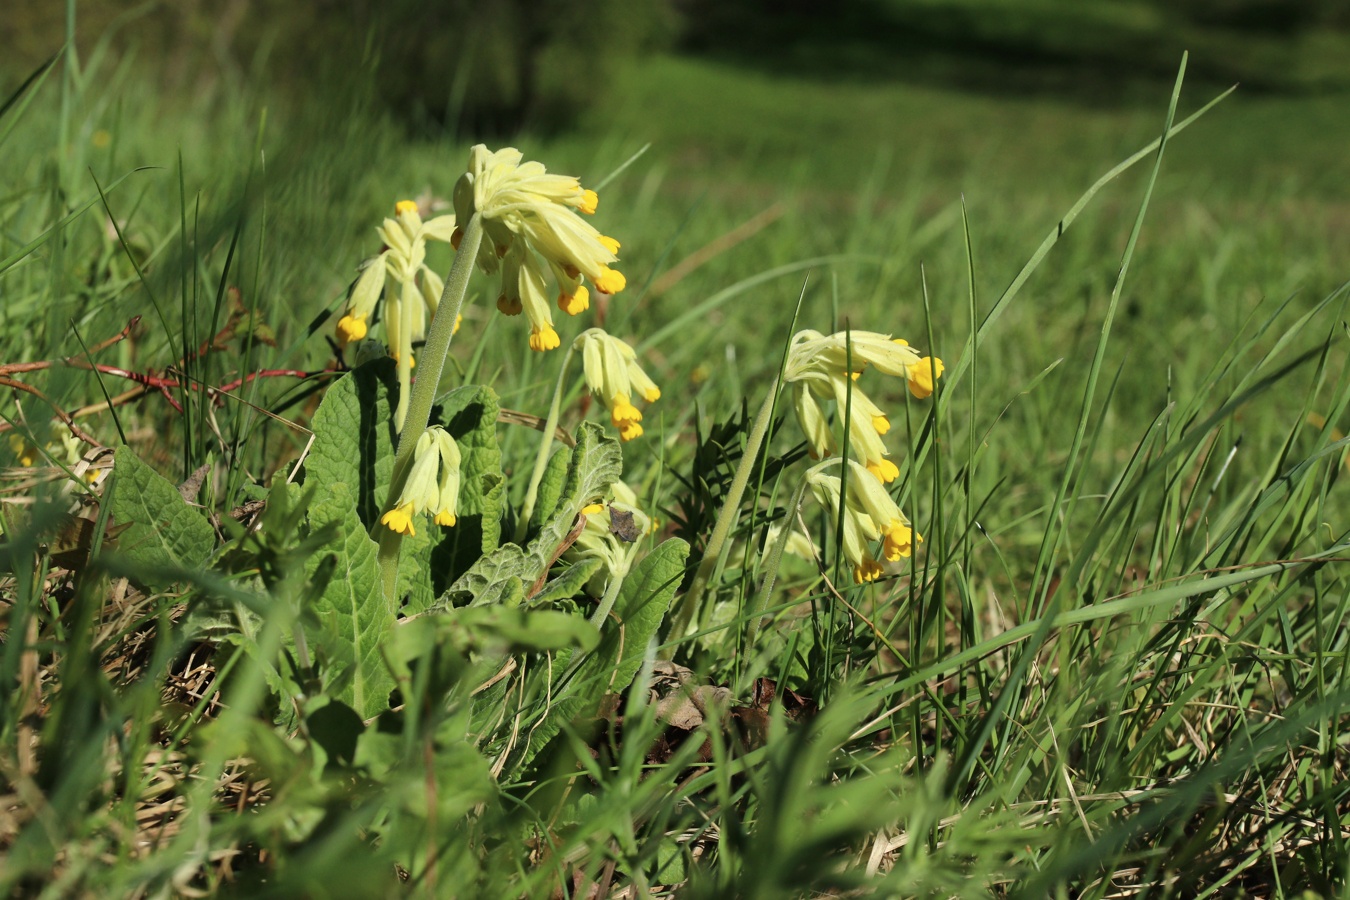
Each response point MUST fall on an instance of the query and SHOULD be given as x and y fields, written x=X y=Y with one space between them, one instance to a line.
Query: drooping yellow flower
x=869 y=515
x=867 y=423
x=402 y=262
x=827 y=367
x=921 y=375
x=612 y=373
x=530 y=227
x=410 y=290
x=432 y=484
x=612 y=534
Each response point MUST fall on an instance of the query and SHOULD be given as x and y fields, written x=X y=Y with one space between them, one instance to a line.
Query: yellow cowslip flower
x=432 y=484
x=613 y=374
x=825 y=367
x=530 y=226
x=891 y=356
x=921 y=375
x=402 y=262
x=25 y=454
x=869 y=514
x=411 y=291
x=867 y=423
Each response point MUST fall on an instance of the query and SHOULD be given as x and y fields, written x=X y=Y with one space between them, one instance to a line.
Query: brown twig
x=61 y=414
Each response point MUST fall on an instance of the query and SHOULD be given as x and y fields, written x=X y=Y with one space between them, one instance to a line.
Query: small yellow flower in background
x=531 y=227
x=613 y=374
x=869 y=515
x=25 y=454
x=432 y=484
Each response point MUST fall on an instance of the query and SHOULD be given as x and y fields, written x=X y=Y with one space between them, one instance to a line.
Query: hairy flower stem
x=424 y=393
x=731 y=506
x=541 y=459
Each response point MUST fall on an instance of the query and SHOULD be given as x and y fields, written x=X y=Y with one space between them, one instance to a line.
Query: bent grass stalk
x=442 y=329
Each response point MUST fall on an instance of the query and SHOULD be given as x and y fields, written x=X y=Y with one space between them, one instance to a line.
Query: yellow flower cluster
x=531 y=230
x=611 y=534
x=818 y=370
x=869 y=514
x=432 y=484
x=399 y=276
x=821 y=368
x=613 y=374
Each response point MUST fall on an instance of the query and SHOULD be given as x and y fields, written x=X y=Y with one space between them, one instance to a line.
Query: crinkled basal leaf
x=551 y=486
x=354 y=437
x=595 y=463
x=353 y=620
x=162 y=530
x=469 y=413
x=643 y=600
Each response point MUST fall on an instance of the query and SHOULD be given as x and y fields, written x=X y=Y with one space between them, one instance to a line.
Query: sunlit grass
x=1115 y=664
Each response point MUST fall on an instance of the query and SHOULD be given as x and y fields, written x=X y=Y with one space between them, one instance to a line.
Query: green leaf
x=470 y=413
x=569 y=583
x=354 y=437
x=551 y=486
x=353 y=620
x=162 y=530
x=644 y=598
x=643 y=601
x=509 y=570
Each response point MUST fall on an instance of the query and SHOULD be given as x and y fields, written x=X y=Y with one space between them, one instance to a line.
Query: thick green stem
x=545 y=442
x=731 y=505
x=424 y=392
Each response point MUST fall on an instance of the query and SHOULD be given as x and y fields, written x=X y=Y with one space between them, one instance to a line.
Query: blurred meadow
x=1118 y=663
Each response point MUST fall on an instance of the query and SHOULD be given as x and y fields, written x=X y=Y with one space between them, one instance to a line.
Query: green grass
x=1117 y=663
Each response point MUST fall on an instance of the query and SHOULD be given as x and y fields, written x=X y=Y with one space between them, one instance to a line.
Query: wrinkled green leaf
x=643 y=601
x=644 y=598
x=551 y=486
x=162 y=530
x=354 y=437
x=353 y=620
x=594 y=465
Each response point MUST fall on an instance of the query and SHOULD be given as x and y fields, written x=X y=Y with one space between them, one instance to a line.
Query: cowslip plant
x=531 y=224
x=816 y=366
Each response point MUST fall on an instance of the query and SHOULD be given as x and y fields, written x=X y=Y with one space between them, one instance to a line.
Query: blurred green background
x=500 y=66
